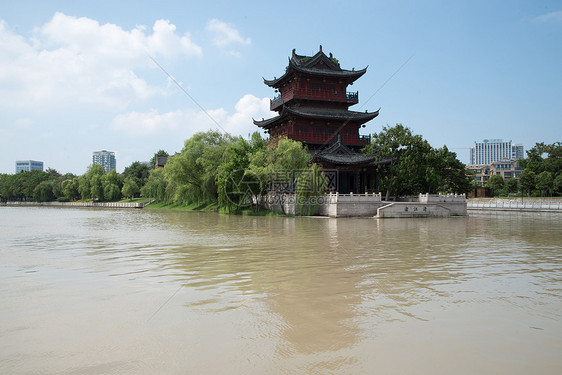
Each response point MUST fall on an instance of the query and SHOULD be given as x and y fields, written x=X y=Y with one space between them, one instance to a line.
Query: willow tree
x=192 y=173
x=238 y=186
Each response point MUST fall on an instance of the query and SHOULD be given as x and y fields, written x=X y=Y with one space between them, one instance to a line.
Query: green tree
x=111 y=192
x=406 y=172
x=192 y=173
x=112 y=183
x=445 y=173
x=278 y=165
x=511 y=185
x=543 y=157
x=138 y=170
x=557 y=184
x=7 y=190
x=43 y=192
x=52 y=173
x=30 y=180
x=70 y=189
x=496 y=183
x=86 y=185
x=409 y=165
x=96 y=187
x=156 y=186
x=527 y=181
x=545 y=183
x=237 y=186
x=130 y=188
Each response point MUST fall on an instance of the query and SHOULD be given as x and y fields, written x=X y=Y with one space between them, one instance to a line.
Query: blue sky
x=77 y=77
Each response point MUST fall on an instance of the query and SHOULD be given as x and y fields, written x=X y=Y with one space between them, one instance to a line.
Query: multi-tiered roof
x=313 y=103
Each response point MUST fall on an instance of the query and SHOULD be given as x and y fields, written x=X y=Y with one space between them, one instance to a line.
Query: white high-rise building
x=28 y=165
x=106 y=159
x=492 y=150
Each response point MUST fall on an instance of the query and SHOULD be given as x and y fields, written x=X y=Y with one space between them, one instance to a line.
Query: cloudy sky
x=78 y=77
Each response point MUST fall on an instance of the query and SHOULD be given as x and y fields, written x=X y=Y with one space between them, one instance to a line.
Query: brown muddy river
x=86 y=291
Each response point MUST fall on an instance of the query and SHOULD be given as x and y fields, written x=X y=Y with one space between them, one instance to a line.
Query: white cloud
x=73 y=61
x=552 y=16
x=225 y=33
x=23 y=123
x=148 y=123
x=186 y=123
x=240 y=123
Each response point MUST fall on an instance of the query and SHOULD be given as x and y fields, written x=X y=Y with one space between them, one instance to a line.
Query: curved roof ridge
x=307 y=65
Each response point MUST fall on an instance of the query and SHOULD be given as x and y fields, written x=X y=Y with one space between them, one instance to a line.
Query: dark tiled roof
x=338 y=153
x=356 y=158
x=308 y=65
x=317 y=113
x=339 y=114
x=266 y=124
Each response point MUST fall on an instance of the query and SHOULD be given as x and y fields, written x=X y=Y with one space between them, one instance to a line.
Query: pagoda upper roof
x=317 y=65
x=317 y=113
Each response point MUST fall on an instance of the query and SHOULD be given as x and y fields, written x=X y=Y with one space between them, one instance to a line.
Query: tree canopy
x=414 y=165
x=542 y=170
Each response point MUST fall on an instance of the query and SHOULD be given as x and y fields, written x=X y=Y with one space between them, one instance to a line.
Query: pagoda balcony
x=323 y=95
x=276 y=102
x=348 y=139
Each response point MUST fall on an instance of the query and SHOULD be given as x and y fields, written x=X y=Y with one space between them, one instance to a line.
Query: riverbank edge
x=149 y=204
x=80 y=204
x=473 y=204
x=521 y=204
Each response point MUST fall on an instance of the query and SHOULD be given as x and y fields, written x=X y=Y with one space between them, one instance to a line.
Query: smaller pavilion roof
x=338 y=153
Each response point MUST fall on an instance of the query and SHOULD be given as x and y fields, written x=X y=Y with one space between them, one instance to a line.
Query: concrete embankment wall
x=515 y=204
x=370 y=205
x=80 y=204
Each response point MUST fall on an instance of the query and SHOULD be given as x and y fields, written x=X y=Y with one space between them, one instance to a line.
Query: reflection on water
x=143 y=291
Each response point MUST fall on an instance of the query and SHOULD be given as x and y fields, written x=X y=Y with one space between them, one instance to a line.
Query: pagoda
x=313 y=107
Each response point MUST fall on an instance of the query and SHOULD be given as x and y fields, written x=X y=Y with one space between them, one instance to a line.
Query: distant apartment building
x=494 y=150
x=507 y=169
x=28 y=165
x=106 y=159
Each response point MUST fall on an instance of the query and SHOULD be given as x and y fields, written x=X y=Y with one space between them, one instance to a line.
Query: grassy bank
x=204 y=206
x=201 y=206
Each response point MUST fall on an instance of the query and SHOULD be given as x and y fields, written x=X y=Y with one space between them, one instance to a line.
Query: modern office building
x=106 y=159
x=28 y=165
x=492 y=150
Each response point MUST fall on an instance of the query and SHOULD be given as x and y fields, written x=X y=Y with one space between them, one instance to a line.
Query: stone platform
x=371 y=205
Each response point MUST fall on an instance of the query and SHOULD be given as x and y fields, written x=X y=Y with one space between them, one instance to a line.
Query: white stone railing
x=449 y=198
x=352 y=198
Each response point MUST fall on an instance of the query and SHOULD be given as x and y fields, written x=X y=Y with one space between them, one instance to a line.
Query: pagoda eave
x=268 y=123
x=349 y=76
x=333 y=115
